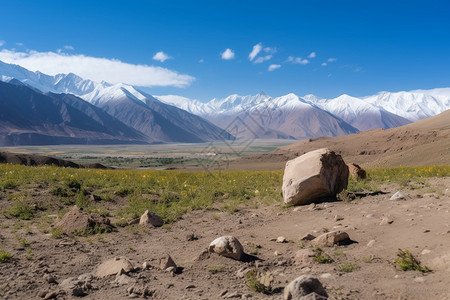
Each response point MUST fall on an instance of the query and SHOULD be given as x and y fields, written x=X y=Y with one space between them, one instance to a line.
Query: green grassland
x=32 y=193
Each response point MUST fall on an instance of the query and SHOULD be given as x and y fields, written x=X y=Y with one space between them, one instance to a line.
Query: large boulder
x=314 y=175
x=227 y=246
x=77 y=221
x=305 y=287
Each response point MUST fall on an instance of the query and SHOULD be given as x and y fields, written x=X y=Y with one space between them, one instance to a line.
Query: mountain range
x=125 y=114
x=155 y=121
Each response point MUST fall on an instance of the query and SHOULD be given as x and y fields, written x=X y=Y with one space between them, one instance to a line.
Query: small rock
x=124 y=280
x=276 y=253
x=419 y=279
x=151 y=218
x=386 y=221
x=425 y=251
x=51 y=295
x=166 y=261
x=303 y=286
x=242 y=271
x=304 y=257
x=49 y=278
x=191 y=286
x=281 y=239
x=338 y=218
x=371 y=243
x=222 y=293
x=330 y=238
x=113 y=266
x=145 y=265
x=399 y=196
x=191 y=237
x=227 y=246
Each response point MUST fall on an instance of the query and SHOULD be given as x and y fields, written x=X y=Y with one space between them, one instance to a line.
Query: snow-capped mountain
x=159 y=121
x=360 y=114
x=383 y=110
x=412 y=106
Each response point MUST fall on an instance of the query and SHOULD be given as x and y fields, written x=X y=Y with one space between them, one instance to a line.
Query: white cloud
x=68 y=47
x=312 y=55
x=256 y=49
x=271 y=50
x=297 y=60
x=2 y=43
x=18 y=44
x=95 y=68
x=273 y=67
x=227 y=54
x=262 y=59
x=161 y=56
x=324 y=64
x=331 y=59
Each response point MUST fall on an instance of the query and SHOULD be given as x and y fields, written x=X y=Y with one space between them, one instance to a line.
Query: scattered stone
x=330 y=238
x=277 y=253
x=227 y=246
x=79 y=221
x=307 y=237
x=151 y=218
x=419 y=279
x=338 y=218
x=399 y=196
x=191 y=286
x=49 y=278
x=281 y=239
x=304 y=257
x=124 y=279
x=191 y=237
x=425 y=251
x=316 y=174
x=133 y=221
x=386 y=221
x=356 y=171
x=166 y=262
x=51 y=295
x=242 y=271
x=75 y=287
x=303 y=286
x=113 y=266
x=145 y=265
x=371 y=243
x=222 y=293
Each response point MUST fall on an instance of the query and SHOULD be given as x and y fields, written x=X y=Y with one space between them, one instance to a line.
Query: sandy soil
x=421 y=224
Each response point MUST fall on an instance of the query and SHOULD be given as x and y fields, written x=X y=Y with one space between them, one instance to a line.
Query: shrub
x=4 y=256
x=406 y=261
x=20 y=210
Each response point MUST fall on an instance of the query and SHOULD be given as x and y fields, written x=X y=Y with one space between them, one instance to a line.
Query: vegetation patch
x=321 y=257
x=407 y=262
x=21 y=210
x=4 y=256
x=347 y=267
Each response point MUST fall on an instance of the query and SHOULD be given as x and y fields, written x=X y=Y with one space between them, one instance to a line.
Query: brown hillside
x=426 y=142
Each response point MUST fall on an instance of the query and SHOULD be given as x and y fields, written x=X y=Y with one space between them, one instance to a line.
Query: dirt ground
x=420 y=223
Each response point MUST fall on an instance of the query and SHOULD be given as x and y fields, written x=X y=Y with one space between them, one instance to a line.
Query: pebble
x=371 y=243
x=281 y=239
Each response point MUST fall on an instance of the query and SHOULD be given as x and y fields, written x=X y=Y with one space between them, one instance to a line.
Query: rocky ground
x=66 y=268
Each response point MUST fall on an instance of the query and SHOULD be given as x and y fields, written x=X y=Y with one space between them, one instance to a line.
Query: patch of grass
x=254 y=278
x=406 y=261
x=321 y=257
x=216 y=269
x=24 y=242
x=368 y=259
x=338 y=252
x=4 y=256
x=347 y=267
x=21 y=210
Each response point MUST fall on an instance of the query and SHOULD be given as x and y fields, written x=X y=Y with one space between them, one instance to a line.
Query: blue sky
x=367 y=46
